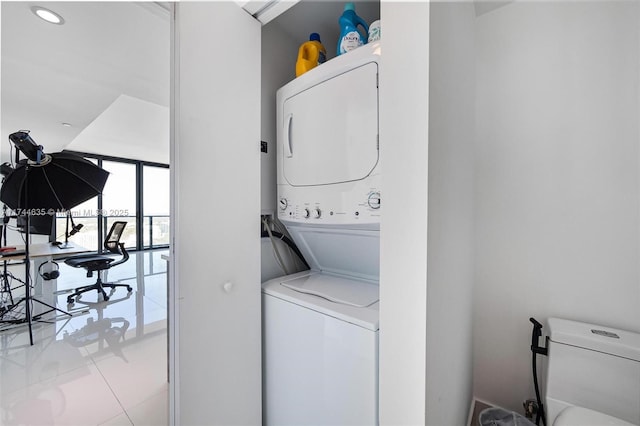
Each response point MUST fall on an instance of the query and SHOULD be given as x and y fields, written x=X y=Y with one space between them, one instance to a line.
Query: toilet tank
x=594 y=367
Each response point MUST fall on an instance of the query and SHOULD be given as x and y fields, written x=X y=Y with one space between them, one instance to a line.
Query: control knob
x=306 y=213
x=374 y=200
x=283 y=203
x=317 y=213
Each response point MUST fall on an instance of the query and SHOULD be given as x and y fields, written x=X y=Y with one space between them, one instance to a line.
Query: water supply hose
x=535 y=350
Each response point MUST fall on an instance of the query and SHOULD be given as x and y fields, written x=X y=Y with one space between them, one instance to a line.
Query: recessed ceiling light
x=47 y=15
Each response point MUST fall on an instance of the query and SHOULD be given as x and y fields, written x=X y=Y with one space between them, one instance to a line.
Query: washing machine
x=320 y=327
x=321 y=346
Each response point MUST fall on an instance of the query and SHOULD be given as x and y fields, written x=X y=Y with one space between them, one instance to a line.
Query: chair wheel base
x=102 y=296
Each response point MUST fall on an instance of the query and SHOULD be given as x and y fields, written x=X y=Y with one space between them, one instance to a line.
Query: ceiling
x=106 y=71
x=108 y=61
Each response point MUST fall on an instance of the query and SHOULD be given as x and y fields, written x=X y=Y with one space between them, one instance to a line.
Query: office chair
x=99 y=263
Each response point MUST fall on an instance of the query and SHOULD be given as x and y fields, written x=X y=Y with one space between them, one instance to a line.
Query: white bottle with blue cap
x=350 y=37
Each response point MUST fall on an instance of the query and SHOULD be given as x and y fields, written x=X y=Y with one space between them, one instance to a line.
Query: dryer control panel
x=339 y=204
x=328 y=147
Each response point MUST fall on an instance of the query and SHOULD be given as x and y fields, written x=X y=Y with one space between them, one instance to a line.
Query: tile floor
x=105 y=365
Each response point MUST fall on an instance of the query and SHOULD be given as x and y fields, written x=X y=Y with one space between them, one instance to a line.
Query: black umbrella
x=60 y=181
x=48 y=182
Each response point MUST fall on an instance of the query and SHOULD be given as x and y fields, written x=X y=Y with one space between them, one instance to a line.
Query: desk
x=43 y=250
x=38 y=253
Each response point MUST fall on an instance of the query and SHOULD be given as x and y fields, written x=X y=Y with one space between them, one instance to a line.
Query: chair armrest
x=125 y=255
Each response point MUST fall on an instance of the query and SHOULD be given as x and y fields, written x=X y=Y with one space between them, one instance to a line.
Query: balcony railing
x=155 y=231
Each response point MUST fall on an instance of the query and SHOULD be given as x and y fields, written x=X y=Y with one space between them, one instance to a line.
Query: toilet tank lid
x=579 y=416
x=625 y=344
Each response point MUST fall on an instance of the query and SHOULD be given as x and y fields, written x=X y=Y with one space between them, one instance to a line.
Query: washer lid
x=625 y=344
x=579 y=416
x=335 y=289
x=339 y=250
x=345 y=289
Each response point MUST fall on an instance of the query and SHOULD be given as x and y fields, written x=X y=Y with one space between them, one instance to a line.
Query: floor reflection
x=107 y=333
x=106 y=364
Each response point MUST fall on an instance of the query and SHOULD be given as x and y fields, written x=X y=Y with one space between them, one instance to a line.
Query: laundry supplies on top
x=350 y=37
x=311 y=54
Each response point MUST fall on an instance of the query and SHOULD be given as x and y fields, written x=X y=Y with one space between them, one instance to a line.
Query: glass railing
x=155 y=231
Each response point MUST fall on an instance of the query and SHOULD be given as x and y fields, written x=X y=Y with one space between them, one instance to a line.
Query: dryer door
x=330 y=130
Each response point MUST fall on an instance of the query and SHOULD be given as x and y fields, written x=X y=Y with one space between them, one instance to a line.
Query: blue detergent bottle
x=350 y=38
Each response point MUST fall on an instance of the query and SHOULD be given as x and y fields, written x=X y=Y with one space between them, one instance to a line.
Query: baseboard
x=471 y=410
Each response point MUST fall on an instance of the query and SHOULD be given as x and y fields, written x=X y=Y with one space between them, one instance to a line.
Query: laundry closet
x=227 y=69
x=321 y=327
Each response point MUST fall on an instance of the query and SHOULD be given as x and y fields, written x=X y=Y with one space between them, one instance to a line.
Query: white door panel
x=216 y=158
x=330 y=130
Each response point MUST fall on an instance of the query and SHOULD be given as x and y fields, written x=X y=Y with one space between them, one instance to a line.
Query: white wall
x=450 y=267
x=279 y=53
x=404 y=132
x=426 y=139
x=557 y=179
x=216 y=215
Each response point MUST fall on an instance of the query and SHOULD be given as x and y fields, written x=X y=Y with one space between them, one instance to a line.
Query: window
x=85 y=214
x=136 y=192
x=119 y=200
x=155 y=206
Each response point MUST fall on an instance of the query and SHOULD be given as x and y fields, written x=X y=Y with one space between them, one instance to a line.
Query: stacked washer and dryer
x=320 y=327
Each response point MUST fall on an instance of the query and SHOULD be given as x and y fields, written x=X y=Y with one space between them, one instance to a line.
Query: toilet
x=593 y=375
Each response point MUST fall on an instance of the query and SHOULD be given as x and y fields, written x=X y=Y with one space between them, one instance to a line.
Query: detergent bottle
x=350 y=38
x=311 y=54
